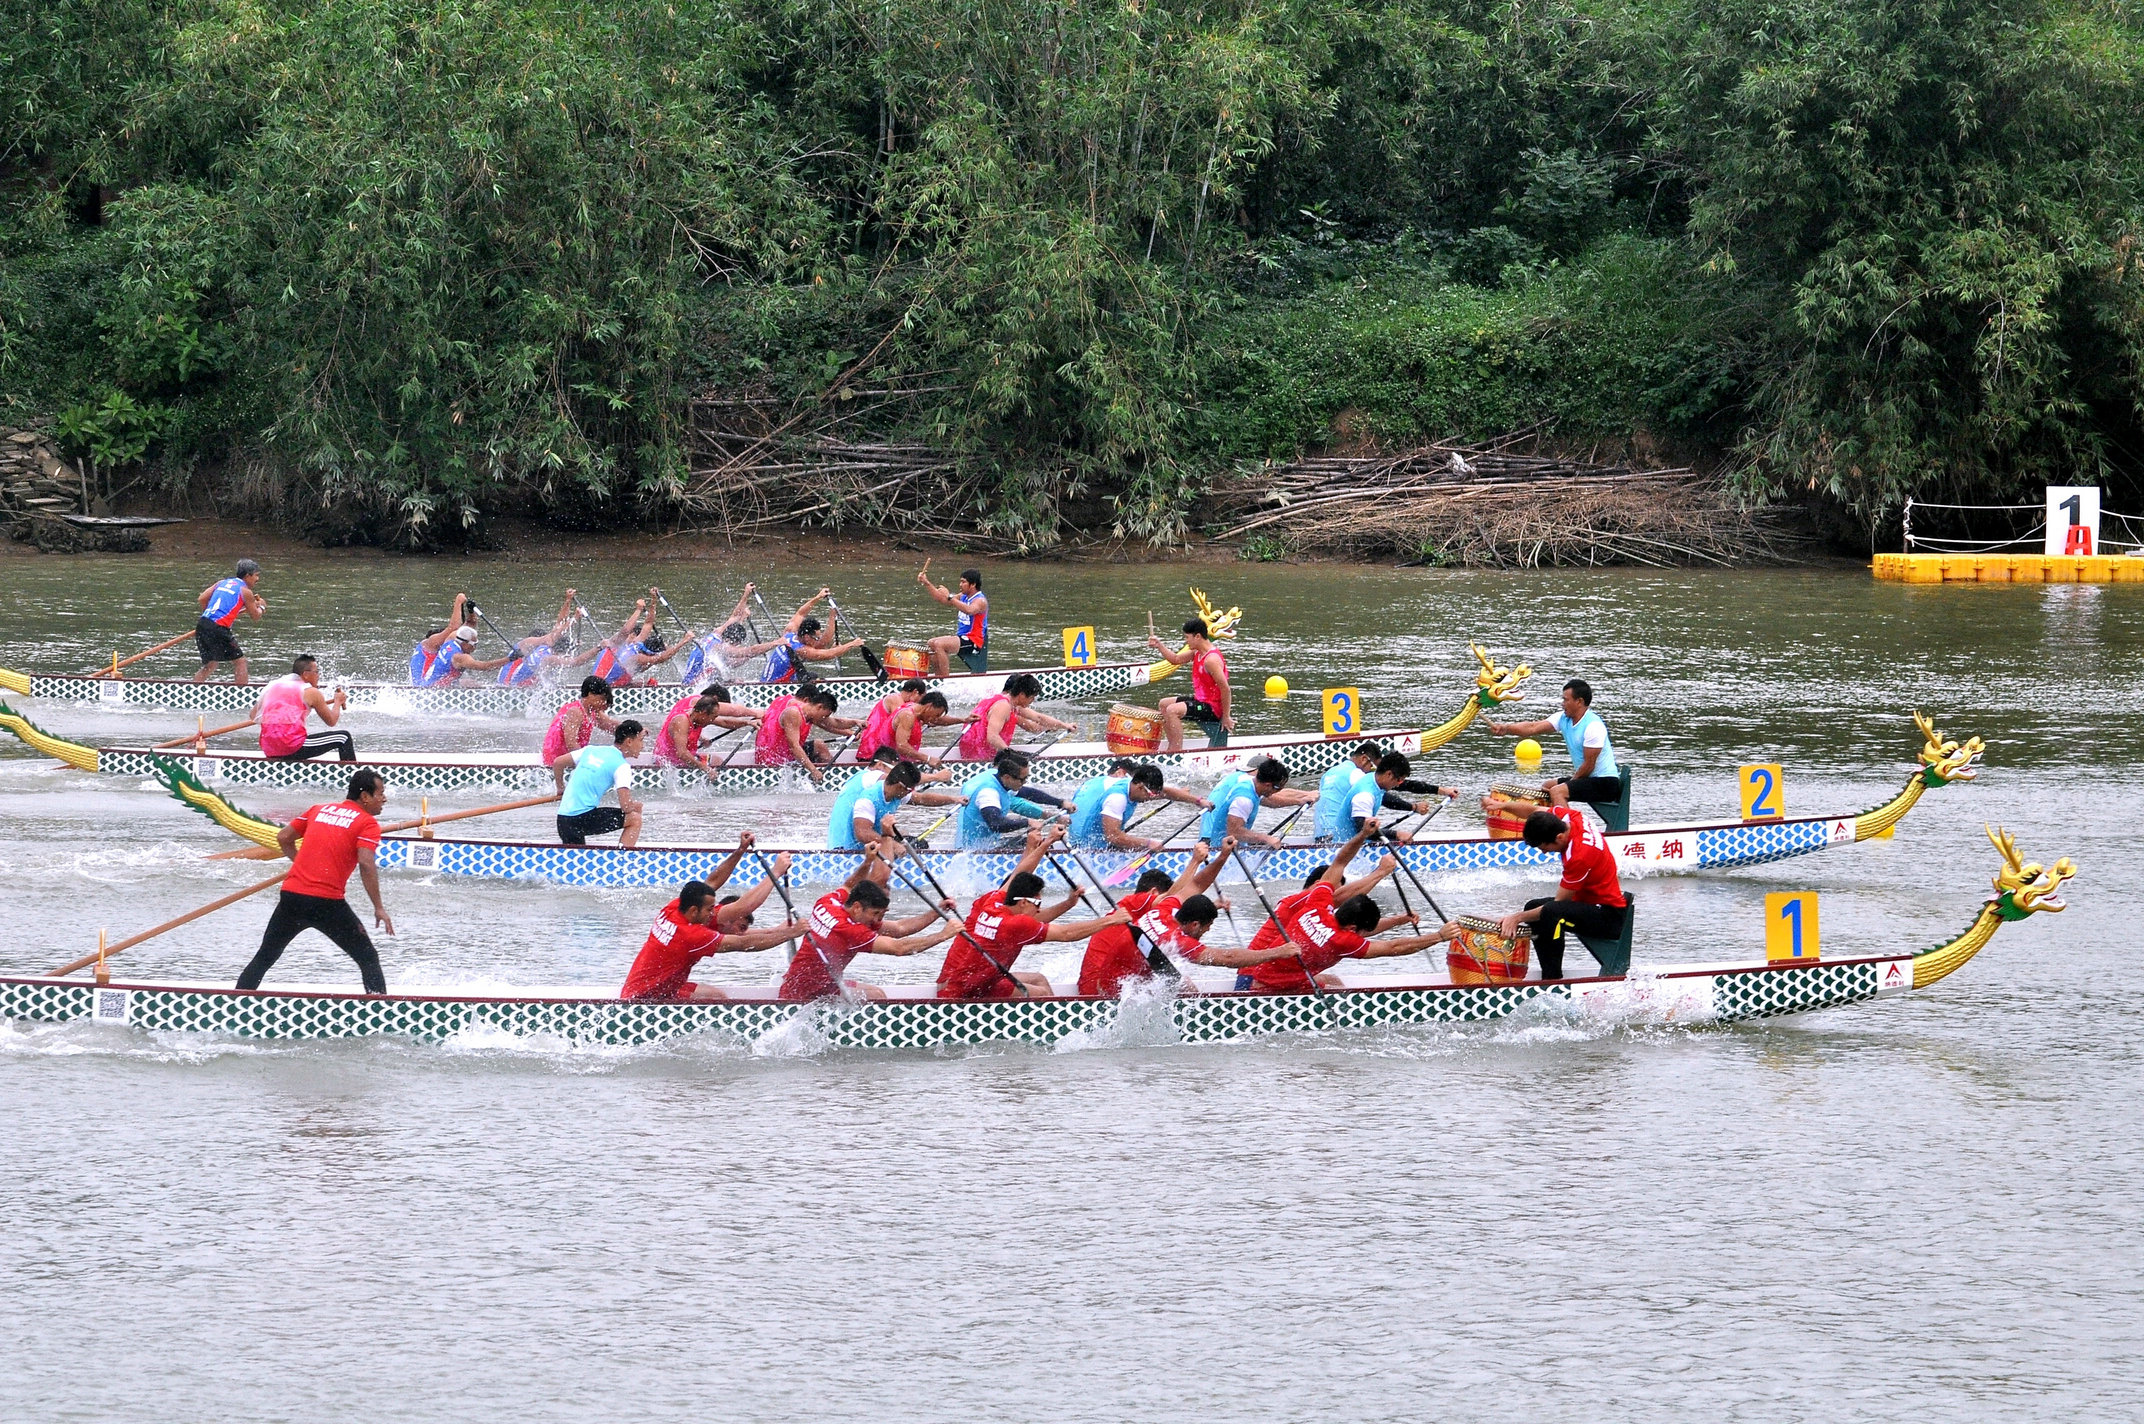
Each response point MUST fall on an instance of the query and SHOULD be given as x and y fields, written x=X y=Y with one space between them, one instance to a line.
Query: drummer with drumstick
x=1208 y=705
x=970 y=639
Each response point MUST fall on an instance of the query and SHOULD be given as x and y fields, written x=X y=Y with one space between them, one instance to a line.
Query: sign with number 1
x=1079 y=648
x=1790 y=930
x=1343 y=711
x=1764 y=798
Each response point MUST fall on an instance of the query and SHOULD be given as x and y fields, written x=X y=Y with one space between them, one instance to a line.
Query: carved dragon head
x=1495 y=684
x=1944 y=760
x=2025 y=888
x=1221 y=625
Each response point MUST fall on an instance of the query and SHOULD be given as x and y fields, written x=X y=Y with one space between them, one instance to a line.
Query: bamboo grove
x=392 y=265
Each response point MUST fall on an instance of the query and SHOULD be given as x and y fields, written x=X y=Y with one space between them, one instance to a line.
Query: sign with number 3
x=1343 y=711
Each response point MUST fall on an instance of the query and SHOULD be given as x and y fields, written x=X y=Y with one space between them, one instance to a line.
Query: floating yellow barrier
x=2008 y=568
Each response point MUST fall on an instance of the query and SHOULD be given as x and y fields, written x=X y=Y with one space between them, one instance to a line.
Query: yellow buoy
x=1276 y=687
x=1527 y=753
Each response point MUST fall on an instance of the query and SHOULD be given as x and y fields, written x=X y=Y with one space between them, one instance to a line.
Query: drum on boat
x=1509 y=824
x=1482 y=955
x=903 y=662
x=1133 y=729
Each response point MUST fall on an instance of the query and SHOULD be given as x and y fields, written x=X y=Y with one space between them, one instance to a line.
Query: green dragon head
x=1495 y=684
x=1944 y=760
x=2024 y=889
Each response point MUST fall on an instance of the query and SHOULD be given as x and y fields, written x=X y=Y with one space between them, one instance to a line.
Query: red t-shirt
x=967 y=974
x=1115 y=954
x=1588 y=865
x=1307 y=918
x=832 y=941
x=332 y=837
x=663 y=968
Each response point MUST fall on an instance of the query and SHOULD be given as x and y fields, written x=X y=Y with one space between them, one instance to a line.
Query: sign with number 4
x=1790 y=930
x=1080 y=650
x=1343 y=711
x=1764 y=797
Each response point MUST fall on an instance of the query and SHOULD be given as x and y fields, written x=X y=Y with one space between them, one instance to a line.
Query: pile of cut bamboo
x=1493 y=505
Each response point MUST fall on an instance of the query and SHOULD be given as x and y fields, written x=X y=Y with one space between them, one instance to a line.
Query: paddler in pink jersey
x=785 y=731
x=573 y=724
x=678 y=744
x=282 y=710
x=1208 y=705
x=1002 y=715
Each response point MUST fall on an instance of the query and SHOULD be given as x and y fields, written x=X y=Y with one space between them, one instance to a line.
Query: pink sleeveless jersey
x=554 y=738
x=772 y=747
x=975 y=742
x=878 y=727
x=283 y=716
x=1204 y=688
x=665 y=746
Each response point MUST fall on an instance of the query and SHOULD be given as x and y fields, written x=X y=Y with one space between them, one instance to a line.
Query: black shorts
x=216 y=643
x=972 y=658
x=1595 y=790
x=1197 y=711
x=575 y=830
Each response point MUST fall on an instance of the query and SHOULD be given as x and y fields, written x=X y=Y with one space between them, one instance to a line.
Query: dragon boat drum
x=903 y=662
x=1510 y=823
x=1133 y=729
x=1482 y=955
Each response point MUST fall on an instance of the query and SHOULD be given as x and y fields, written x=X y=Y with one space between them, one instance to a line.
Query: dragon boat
x=1680 y=993
x=1705 y=846
x=1059 y=684
x=453 y=771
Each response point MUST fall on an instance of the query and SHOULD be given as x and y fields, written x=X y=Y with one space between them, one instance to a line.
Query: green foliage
x=115 y=431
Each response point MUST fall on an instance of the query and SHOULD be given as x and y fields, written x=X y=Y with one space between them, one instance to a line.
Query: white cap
x=465 y=633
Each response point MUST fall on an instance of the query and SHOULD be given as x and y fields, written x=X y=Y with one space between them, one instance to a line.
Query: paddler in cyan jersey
x=1594 y=777
x=444 y=654
x=595 y=772
x=1370 y=788
x=866 y=805
x=221 y=603
x=1173 y=916
x=800 y=644
x=538 y=653
x=1209 y=704
x=978 y=964
x=970 y=639
x=1002 y=804
x=1238 y=798
x=852 y=921
x=1100 y=808
x=282 y=710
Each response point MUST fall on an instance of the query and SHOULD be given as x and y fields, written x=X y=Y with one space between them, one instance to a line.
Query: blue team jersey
x=865 y=790
x=428 y=669
x=225 y=600
x=786 y=661
x=1092 y=802
x=1333 y=791
x=521 y=672
x=1239 y=789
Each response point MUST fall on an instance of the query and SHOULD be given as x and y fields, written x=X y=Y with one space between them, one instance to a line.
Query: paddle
x=270 y=852
x=664 y=600
x=1408 y=871
x=1279 y=831
x=1131 y=868
x=871 y=659
x=950 y=918
x=841 y=988
x=923 y=842
x=1156 y=960
x=1260 y=892
x=189 y=917
x=119 y=662
x=512 y=647
x=201 y=736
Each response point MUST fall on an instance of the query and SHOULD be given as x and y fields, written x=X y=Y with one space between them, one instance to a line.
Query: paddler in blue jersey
x=444 y=654
x=1239 y=798
x=637 y=647
x=1594 y=777
x=801 y=643
x=538 y=652
x=1352 y=792
x=221 y=603
x=1001 y=804
x=1101 y=807
x=861 y=810
x=970 y=639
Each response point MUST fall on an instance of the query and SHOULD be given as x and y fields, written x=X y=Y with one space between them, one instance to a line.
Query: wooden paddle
x=189 y=917
x=119 y=662
x=201 y=736
x=270 y=852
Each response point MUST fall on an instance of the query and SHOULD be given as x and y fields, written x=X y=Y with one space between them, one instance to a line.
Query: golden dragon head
x=2025 y=888
x=1220 y=625
x=1944 y=760
x=1495 y=684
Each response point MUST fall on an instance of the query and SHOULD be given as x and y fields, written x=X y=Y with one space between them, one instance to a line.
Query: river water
x=1923 y=1208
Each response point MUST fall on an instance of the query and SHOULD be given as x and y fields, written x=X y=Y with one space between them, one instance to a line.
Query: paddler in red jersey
x=1209 y=704
x=1006 y=921
x=1172 y=915
x=325 y=845
x=1330 y=919
x=1589 y=899
x=696 y=924
x=851 y=921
